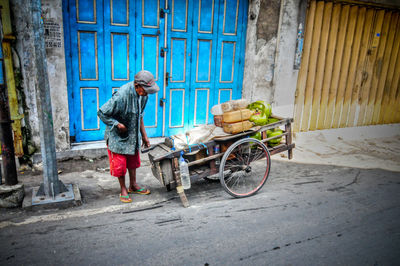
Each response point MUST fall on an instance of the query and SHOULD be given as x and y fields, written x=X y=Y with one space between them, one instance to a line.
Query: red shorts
x=120 y=162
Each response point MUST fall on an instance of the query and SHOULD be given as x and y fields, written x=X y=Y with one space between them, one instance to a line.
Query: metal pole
x=6 y=137
x=51 y=185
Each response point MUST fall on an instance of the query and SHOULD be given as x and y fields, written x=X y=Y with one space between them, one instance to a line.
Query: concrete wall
x=262 y=27
x=54 y=37
x=285 y=78
x=270 y=51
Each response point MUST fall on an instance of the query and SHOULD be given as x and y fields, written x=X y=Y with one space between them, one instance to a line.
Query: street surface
x=304 y=215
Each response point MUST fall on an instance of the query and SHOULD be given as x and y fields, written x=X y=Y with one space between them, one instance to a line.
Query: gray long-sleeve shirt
x=125 y=107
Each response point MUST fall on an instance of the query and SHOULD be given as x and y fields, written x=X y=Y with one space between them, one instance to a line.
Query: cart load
x=235 y=150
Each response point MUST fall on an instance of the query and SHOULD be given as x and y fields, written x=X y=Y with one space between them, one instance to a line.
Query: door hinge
x=163 y=11
x=163 y=51
x=72 y=95
x=166 y=78
x=163 y=101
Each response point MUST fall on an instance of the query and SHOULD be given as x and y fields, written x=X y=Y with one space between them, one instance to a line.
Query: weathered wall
x=262 y=27
x=22 y=22
x=270 y=51
x=285 y=78
x=55 y=51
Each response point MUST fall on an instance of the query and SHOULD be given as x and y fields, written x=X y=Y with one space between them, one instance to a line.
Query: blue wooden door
x=107 y=43
x=149 y=39
x=205 y=64
x=179 y=66
x=85 y=65
x=201 y=63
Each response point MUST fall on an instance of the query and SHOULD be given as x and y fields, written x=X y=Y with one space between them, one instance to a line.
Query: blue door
x=195 y=49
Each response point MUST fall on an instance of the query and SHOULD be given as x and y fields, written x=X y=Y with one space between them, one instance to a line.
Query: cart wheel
x=244 y=168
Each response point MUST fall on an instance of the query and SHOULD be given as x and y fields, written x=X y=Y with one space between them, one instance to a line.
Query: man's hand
x=122 y=128
x=146 y=142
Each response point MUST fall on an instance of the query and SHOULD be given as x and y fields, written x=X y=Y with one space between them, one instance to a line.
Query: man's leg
x=132 y=179
x=133 y=186
x=124 y=191
x=133 y=162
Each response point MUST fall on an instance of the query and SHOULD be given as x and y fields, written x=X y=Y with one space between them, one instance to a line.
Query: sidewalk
x=361 y=147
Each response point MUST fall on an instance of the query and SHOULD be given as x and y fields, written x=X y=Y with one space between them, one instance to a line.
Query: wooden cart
x=242 y=165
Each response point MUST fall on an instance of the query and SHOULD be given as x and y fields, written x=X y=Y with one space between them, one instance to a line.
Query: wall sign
x=52 y=34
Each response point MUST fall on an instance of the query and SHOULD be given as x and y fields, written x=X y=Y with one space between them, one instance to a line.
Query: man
x=123 y=115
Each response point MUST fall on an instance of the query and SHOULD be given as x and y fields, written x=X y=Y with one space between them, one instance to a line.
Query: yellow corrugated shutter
x=350 y=69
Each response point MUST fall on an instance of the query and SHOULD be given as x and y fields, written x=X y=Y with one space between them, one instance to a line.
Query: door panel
x=227 y=63
x=120 y=56
x=111 y=40
x=203 y=60
x=230 y=17
x=150 y=13
x=205 y=16
x=119 y=12
x=178 y=60
x=87 y=52
x=202 y=98
x=177 y=108
x=224 y=95
x=179 y=17
x=86 y=11
x=90 y=98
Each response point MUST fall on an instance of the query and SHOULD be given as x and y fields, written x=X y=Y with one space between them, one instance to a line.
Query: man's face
x=140 y=90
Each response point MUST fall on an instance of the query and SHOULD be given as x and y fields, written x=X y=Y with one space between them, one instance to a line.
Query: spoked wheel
x=245 y=168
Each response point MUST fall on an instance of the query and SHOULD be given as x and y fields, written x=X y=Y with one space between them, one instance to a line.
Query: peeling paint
x=52 y=10
x=261 y=39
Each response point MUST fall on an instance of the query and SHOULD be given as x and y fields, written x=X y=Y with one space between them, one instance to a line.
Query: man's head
x=145 y=83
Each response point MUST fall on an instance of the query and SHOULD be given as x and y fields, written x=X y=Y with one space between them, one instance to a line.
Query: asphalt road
x=304 y=215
